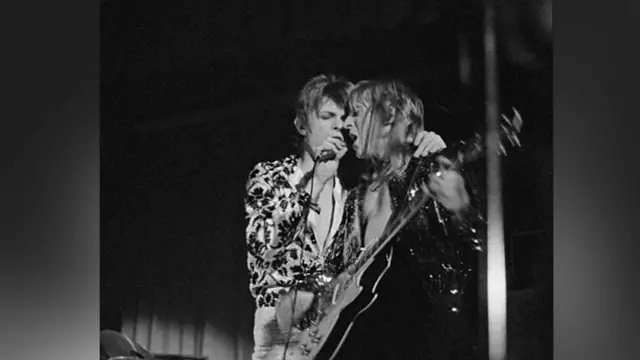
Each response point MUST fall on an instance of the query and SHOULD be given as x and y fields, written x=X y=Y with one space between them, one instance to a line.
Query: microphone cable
x=307 y=207
x=305 y=214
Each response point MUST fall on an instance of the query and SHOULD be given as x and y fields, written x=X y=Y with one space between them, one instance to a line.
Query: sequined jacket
x=439 y=248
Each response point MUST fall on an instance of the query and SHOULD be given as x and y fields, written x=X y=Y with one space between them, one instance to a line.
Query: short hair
x=316 y=90
x=312 y=95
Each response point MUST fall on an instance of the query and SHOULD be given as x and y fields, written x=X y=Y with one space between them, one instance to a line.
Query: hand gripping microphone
x=328 y=155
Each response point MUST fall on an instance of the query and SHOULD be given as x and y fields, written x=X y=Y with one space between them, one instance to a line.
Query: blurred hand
x=447 y=186
x=427 y=143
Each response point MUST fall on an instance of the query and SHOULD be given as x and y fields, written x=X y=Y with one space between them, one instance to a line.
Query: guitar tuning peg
x=515 y=140
x=502 y=150
x=517 y=119
x=506 y=119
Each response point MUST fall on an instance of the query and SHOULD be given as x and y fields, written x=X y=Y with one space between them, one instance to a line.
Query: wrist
x=321 y=180
x=455 y=204
x=317 y=189
x=314 y=187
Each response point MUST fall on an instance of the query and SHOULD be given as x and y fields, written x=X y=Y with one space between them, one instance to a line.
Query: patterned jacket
x=281 y=248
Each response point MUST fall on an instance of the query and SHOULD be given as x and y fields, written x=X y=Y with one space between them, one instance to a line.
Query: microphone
x=328 y=155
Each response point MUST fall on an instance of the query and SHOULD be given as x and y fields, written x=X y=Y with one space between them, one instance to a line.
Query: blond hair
x=387 y=103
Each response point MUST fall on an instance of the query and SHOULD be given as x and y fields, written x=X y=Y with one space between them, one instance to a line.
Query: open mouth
x=347 y=136
x=351 y=139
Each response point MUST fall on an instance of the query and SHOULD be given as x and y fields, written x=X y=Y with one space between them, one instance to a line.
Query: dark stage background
x=193 y=94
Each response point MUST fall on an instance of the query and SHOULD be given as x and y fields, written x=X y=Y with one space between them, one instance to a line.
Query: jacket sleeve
x=470 y=224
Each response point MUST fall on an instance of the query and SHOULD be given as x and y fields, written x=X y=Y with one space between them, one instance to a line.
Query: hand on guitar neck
x=447 y=186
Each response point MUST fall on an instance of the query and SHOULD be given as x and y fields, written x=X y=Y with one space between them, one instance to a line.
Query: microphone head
x=326 y=156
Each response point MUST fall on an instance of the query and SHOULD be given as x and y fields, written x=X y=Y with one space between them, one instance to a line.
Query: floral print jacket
x=282 y=250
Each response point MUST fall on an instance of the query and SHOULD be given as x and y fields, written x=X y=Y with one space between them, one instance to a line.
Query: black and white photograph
x=326 y=180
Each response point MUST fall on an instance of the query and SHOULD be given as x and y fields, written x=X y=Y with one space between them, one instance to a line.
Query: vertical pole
x=496 y=274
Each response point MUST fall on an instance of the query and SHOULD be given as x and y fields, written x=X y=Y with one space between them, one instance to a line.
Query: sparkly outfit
x=427 y=299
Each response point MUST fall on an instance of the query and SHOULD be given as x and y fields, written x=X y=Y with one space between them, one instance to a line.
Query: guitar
x=341 y=299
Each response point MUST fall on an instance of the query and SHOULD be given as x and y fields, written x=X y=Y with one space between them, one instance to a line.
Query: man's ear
x=299 y=126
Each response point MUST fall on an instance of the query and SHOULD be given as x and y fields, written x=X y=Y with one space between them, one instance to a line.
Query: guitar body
x=345 y=299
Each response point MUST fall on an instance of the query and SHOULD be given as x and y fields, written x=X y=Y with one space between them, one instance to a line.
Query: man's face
x=327 y=122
